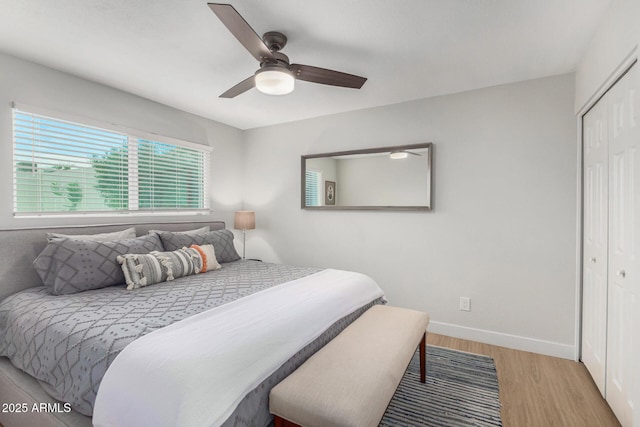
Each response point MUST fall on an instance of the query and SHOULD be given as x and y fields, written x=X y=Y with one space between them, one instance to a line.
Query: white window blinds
x=312 y=188
x=62 y=166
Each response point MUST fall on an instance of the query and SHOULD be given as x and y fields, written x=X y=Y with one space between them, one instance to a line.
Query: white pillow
x=129 y=233
x=208 y=254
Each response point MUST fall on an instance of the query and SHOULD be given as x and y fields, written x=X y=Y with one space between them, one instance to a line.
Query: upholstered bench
x=352 y=379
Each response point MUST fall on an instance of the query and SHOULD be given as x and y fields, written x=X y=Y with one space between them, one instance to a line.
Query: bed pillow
x=129 y=233
x=68 y=266
x=200 y=230
x=222 y=241
x=208 y=255
x=146 y=269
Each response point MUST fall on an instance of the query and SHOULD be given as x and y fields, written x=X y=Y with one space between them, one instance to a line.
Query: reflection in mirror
x=380 y=178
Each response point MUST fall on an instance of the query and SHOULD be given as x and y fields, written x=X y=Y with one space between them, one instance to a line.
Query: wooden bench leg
x=423 y=364
x=281 y=422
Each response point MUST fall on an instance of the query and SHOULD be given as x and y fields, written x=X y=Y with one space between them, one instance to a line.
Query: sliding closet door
x=624 y=244
x=594 y=294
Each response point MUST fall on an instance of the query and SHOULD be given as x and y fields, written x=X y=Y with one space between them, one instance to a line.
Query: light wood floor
x=540 y=391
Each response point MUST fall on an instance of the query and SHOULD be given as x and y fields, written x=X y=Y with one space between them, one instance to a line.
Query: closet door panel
x=594 y=302
x=623 y=239
x=634 y=263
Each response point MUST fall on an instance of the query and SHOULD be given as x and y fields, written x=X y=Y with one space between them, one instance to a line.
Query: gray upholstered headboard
x=18 y=248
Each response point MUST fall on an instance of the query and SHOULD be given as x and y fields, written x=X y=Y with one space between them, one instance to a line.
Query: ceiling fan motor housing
x=274 y=40
x=279 y=60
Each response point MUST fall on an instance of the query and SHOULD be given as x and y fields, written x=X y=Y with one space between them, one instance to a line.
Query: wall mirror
x=385 y=178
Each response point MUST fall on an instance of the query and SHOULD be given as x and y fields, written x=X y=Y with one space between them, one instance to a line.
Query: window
x=61 y=166
x=312 y=188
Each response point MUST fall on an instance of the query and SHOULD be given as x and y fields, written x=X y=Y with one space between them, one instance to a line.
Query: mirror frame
x=427 y=207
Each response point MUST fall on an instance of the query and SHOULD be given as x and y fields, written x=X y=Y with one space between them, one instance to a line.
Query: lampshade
x=274 y=81
x=244 y=220
x=398 y=155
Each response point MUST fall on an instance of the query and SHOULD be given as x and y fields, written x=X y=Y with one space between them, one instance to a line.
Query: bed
x=115 y=323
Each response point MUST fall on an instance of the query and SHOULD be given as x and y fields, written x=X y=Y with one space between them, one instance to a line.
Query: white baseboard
x=533 y=345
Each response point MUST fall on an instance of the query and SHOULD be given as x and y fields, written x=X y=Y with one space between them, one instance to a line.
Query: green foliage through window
x=72 y=192
x=112 y=178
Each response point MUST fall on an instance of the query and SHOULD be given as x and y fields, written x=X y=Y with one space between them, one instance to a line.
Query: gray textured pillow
x=155 y=267
x=67 y=266
x=222 y=241
x=129 y=233
x=200 y=230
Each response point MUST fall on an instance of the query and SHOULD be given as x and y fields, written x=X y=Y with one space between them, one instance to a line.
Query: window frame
x=133 y=135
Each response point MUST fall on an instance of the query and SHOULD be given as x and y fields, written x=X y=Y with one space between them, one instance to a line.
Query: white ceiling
x=178 y=53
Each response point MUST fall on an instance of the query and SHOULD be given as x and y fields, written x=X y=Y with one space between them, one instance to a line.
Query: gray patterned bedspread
x=67 y=342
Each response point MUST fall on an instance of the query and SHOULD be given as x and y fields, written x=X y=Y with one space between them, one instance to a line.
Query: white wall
x=615 y=41
x=502 y=231
x=43 y=87
x=503 y=228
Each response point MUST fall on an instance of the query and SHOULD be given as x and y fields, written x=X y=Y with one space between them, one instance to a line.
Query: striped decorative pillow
x=155 y=267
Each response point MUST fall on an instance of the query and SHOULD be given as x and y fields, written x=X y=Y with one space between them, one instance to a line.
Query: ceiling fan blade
x=240 y=88
x=326 y=77
x=411 y=152
x=241 y=30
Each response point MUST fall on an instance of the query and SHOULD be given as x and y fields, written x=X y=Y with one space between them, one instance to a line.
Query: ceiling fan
x=276 y=75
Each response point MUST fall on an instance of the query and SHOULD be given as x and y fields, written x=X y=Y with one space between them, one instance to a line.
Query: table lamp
x=244 y=220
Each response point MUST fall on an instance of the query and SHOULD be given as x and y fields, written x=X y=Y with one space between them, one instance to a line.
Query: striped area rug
x=461 y=390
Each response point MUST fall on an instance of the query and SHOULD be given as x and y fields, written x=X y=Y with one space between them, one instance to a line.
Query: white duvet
x=196 y=371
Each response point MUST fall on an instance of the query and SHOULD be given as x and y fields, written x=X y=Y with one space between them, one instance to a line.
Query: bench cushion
x=351 y=380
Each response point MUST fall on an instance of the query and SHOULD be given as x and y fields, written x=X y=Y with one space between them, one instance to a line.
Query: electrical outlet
x=465 y=304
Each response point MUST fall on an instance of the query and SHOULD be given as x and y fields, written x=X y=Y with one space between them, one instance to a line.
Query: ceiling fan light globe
x=274 y=81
